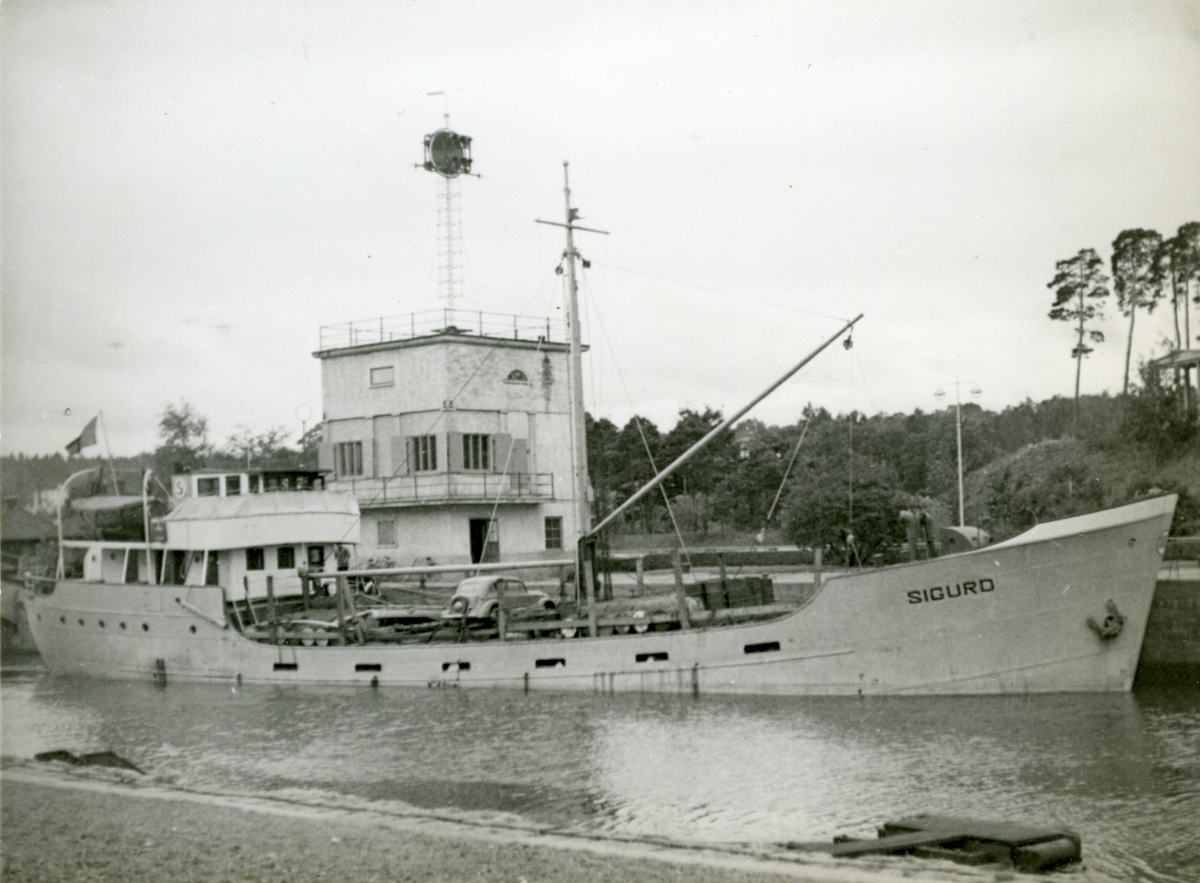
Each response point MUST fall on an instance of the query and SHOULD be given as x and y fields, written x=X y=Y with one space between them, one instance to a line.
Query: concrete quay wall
x=1171 y=649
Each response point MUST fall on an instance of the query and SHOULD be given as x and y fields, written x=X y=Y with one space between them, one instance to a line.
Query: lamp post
x=976 y=392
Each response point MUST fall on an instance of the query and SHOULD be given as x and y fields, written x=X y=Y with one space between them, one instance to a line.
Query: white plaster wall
x=443 y=533
x=471 y=376
x=471 y=373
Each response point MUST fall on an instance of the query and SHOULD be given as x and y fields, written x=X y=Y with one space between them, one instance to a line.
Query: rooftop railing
x=445 y=321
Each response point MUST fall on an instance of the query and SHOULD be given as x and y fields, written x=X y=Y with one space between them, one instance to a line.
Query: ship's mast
x=578 y=428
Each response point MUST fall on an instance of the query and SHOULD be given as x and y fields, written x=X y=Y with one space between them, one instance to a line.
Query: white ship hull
x=1008 y=618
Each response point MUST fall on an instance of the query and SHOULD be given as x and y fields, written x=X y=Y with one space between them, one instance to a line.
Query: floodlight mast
x=449 y=155
x=579 y=465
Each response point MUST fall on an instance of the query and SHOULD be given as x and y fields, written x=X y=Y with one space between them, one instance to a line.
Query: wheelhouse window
x=73 y=562
x=386 y=533
x=383 y=376
x=208 y=487
x=348 y=458
x=285 y=557
x=136 y=570
x=175 y=567
x=256 y=559
x=475 y=451
x=316 y=557
x=212 y=571
x=424 y=453
x=554 y=538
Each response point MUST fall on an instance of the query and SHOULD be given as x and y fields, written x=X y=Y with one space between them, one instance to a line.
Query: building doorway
x=485 y=541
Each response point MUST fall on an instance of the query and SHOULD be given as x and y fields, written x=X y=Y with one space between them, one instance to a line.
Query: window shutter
x=401 y=454
x=454 y=456
x=519 y=462
x=325 y=456
x=501 y=446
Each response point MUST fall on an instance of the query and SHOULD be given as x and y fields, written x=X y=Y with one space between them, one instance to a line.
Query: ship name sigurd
x=958 y=590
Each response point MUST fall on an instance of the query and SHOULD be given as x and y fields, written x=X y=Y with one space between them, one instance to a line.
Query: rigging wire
x=637 y=420
x=778 y=493
x=728 y=293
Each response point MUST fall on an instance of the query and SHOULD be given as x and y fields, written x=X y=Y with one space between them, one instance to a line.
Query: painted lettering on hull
x=946 y=592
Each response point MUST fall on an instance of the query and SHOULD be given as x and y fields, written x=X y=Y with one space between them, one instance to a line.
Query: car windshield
x=473 y=588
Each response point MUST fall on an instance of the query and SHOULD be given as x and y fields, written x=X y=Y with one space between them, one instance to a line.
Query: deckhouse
x=232 y=529
x=452 y=429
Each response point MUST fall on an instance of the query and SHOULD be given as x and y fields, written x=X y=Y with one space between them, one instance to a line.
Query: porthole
x=145 y=627
x=81 y=622
x=39 y=617
x=63 y=620
x=101 y=623
x=192 y=629
x=516 y=375
x=122 y=626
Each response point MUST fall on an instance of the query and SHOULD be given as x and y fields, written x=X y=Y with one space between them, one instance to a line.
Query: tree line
x=825 y=477
x=812 y=482
x=1147 y=269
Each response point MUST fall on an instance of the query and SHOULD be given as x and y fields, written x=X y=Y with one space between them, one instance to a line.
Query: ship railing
x=37 y=584
x=441 y=487
x=444 y=321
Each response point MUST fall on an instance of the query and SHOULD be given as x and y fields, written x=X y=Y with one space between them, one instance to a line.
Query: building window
x=255 y=559
x=348 y=458
x=233 y=485
x=285 y=557
x=208 y=487
x=387 y=533
x=516 y=375
x=383 y=376
x=554 y=532
x=475 y=451
x=255 y=486
x=424 y=453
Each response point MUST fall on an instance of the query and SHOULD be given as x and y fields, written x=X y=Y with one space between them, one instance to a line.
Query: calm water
x=1123 y=770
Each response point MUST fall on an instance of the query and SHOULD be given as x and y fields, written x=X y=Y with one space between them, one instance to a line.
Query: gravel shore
x=63 y=826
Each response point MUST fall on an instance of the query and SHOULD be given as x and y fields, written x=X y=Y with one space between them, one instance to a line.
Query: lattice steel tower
x=449 y=154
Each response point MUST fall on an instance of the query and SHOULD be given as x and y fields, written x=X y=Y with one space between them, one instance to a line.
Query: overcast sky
x=191 y=190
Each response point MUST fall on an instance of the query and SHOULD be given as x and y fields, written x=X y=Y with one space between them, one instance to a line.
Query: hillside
x=844 y=472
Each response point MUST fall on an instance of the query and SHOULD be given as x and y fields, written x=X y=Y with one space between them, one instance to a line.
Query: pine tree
x=1134 y=280
x=1080 y=288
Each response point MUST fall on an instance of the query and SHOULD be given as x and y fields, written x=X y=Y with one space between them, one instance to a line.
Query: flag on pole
x=86 y=439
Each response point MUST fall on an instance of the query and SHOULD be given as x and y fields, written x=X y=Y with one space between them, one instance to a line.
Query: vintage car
x=480 y=597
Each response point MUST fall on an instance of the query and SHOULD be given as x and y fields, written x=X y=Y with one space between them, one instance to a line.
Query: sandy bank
x=66 y=826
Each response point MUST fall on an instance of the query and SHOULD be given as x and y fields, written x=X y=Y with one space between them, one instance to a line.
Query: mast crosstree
x=578 y=430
